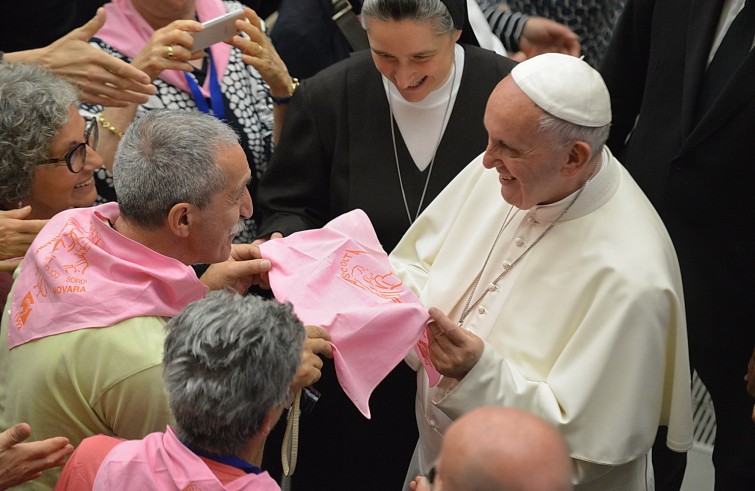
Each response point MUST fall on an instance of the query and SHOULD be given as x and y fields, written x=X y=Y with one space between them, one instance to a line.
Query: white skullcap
x=566 y=87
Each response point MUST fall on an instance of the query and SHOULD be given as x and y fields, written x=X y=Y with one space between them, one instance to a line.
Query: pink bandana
x=339 y=278
x=80 y=273
x=161 y=462
x=127 y=31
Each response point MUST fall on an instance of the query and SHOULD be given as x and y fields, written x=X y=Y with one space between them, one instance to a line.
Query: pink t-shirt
x=163 y=456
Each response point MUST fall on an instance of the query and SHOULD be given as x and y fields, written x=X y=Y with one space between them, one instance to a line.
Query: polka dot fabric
x=249 y=111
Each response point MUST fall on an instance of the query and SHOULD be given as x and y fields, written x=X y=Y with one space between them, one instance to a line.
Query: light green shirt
x=85 y=382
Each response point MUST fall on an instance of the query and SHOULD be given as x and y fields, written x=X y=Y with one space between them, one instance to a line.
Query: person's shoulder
x=358 y=62
x=97 y=446
x=348 y=74
x=143 y=327
x=137 y=339
x=81 y=470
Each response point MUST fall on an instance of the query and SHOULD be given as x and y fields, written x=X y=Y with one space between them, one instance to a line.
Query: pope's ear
x=579 y=156
x=180 y=219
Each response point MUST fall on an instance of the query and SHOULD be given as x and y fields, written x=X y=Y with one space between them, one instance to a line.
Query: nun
x=384 y=131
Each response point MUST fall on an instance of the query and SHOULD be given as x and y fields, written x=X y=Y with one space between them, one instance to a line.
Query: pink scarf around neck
x=80 y=273
x=161 y=462
x=127 y=31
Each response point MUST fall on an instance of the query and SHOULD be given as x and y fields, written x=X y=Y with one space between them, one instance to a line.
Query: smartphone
x=217 y=30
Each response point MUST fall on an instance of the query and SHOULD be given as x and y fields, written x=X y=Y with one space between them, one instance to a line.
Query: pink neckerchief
x=339 y=278
x=161 y=462
x=127 y=31
x=80 y=273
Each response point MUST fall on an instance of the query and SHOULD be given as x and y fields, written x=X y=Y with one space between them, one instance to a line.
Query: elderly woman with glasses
x=47 y=156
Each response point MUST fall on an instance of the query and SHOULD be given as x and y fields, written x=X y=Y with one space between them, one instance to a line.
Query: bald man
x=494 y=447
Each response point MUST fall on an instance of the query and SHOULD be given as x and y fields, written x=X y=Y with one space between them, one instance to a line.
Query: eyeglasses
x=76 y=158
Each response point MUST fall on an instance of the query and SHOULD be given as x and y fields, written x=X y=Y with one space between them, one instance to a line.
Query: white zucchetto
x=566 y=87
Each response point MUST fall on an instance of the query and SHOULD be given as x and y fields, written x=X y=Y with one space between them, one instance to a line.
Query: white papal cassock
x=587 y=330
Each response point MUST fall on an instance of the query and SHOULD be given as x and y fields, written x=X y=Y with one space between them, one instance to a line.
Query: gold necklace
x=494 y=285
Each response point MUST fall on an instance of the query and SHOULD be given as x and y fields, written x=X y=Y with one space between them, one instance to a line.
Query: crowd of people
x=558 y=216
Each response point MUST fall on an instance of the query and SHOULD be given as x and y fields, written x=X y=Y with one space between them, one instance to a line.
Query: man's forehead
x=233 y=161
x=508 y=104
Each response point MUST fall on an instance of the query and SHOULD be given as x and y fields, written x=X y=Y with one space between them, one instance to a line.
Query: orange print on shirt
x=386 y=285
x=62 y=270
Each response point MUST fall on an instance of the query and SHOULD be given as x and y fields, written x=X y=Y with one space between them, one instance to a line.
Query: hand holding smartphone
x=217 y=30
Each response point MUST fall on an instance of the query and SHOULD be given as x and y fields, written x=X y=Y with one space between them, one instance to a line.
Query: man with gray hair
x=564 y=298
x=85 y=327
x=228 y=364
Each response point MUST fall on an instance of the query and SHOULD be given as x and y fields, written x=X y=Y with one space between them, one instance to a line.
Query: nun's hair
x=434 y=12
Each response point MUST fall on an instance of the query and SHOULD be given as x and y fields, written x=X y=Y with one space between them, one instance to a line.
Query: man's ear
x=579 y=156
x=271 y=419
x=180 y=219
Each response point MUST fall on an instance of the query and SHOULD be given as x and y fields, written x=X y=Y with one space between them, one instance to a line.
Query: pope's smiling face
x=531 y=169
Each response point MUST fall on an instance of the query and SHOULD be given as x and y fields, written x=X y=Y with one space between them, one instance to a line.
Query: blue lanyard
x=216 y=96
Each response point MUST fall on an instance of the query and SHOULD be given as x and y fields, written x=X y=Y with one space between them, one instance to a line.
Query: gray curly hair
x=229 y=360
x=34 y=106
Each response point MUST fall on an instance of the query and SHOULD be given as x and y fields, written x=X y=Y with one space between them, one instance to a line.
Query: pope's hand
x=453 y=350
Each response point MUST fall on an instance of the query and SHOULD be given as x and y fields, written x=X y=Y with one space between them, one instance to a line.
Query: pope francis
x=564 y=298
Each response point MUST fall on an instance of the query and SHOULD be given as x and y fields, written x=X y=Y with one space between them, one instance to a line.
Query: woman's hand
x=169 y=48
x=101 y=78
x=258 y=51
